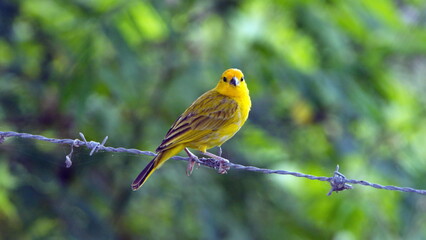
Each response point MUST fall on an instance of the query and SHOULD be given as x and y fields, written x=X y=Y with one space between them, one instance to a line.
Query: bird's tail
x=153 y=165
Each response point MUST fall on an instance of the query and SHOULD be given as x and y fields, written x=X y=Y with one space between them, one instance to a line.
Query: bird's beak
x=234 y=81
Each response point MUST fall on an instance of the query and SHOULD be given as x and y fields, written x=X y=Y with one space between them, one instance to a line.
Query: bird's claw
x=190 y=166
x=223 y=166
x=192 y=160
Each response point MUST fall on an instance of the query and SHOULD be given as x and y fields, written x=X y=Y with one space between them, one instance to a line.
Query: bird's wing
x=208 y=113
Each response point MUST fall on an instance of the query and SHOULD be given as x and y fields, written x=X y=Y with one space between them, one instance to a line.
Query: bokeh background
x=332 y=82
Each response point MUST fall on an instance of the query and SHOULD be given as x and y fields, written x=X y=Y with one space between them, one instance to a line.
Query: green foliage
x=332 y=82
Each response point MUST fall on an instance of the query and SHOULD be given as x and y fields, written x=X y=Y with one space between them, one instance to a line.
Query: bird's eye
x=242 y=79
x=224 y=79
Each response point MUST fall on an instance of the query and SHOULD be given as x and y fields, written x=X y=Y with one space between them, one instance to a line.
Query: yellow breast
x=217 y=138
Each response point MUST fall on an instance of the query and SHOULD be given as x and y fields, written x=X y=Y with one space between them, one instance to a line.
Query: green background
x=332 y=82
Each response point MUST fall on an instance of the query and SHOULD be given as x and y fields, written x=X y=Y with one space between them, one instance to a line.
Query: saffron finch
x=209 y=122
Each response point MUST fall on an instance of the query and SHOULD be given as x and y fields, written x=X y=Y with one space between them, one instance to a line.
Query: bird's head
x=232 y=83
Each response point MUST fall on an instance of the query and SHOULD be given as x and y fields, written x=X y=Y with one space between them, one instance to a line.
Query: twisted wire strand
x=338 y=181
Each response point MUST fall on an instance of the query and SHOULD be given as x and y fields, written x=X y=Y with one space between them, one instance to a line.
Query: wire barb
x=95 y=146
x=338 y=182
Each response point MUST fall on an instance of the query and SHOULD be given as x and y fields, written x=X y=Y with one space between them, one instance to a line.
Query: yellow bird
x=209 y=122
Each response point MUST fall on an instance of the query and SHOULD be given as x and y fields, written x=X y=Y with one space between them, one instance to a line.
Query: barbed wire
x=338 y=181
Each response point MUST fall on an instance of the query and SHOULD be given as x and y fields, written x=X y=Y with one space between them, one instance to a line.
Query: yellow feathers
x=209 y=122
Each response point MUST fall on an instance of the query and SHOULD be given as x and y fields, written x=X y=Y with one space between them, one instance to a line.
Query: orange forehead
x=233 y=72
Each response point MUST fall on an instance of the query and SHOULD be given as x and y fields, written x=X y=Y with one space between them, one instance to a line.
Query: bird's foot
x=223 y=166
x=192 y=160
x=223 y=163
